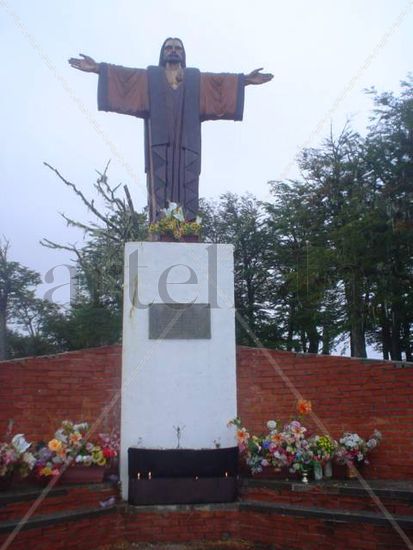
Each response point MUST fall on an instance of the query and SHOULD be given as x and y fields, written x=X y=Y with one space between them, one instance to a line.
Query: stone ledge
x=334 y=516
x=23 y=495
x=36 y=522
x=401 y=490
x=179 y=508
x=20 y=494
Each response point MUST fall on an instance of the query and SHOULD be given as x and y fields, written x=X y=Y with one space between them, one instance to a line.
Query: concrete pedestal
x=178 y=367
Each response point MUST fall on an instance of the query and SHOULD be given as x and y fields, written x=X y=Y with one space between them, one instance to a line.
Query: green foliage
x=23 y=316
x=94 y=319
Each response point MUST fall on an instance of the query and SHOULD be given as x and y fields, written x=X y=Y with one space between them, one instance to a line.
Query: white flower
x=271 y=425
x=19 y=443
x=29 y=459
x=82 y=427
x=178 y=214
x=60 y=436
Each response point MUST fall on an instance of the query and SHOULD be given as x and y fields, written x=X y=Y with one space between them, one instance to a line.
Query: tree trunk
x=385 y=335
x=326 y=342
x=396 y=352
x=356 y=316
x=313 y=340
x=3 y=336
x=406 y=341
x=290 y=331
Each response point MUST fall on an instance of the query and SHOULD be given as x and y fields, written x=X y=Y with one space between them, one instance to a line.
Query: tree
x=389 y=155
x=301 y=260
x=23 y=317
x=241 y=221
x=95 y=316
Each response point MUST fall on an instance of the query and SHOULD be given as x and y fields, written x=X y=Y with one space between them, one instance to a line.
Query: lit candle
x=139 y=475
x=150 y=475
x=226 y=474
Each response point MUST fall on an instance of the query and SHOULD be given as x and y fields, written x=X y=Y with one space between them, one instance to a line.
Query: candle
x=150 y=475
x=226 y=474
x=139 y=475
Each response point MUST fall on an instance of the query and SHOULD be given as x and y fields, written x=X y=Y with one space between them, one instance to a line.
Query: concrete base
x=178 y=391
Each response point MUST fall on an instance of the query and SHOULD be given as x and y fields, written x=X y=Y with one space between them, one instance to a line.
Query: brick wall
x=37 y=393
x=347 y=394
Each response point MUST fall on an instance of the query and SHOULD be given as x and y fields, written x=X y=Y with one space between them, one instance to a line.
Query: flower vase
x=328 y=469
x=351 y=471
x=318 y=471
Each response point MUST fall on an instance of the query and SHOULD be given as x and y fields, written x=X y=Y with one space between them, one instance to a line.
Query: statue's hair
x=161 y=61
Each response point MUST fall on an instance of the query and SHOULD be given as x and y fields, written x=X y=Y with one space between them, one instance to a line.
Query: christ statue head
x=172 y=51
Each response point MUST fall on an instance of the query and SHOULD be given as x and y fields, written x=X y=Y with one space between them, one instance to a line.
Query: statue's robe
x=172 y=124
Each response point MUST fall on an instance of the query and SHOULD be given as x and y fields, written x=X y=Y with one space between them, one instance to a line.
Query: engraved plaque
x=179 y=321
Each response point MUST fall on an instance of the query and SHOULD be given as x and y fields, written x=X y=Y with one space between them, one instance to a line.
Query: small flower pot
x=318 y=471
x=328 y=469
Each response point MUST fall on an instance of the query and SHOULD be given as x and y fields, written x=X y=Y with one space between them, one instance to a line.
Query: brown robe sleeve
x=123 y=90
x=222 y=96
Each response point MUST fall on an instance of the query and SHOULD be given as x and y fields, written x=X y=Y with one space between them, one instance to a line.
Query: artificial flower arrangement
x=292 y=446
x=110 y=444
x=70 y=445
x=323 y=448
x=173 y=223
x=353 y=448
x=16 y=457
x=285 y=445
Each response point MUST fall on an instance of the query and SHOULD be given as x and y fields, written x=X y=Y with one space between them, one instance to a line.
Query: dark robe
x=172 y=124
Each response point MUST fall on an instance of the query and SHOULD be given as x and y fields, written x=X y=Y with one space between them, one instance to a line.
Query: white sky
x=323 y=53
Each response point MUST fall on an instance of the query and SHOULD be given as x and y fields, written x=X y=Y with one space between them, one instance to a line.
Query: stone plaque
x=179 y=321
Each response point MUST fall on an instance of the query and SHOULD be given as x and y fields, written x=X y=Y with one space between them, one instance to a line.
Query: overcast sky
x=323 y=53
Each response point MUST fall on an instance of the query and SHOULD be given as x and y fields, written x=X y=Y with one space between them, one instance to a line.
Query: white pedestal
x=170 y=385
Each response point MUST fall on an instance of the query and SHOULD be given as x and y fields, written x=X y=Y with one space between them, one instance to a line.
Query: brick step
x=46 y=520
x=397 y=497
x=326 y=514
x=14 y=504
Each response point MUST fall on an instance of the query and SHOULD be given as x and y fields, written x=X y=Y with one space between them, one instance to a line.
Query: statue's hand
x=255 y=77
x=86 y=64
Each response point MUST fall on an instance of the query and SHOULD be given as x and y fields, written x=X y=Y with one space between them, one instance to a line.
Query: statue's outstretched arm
x=255 y=77
x=86 y=64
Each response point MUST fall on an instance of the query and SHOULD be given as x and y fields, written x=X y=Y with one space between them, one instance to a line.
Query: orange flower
x=55 y=445
x=276 y=438
x=242 y=435
x=304 y=406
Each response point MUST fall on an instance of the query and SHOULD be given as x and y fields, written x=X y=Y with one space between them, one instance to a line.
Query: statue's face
x=173 y=51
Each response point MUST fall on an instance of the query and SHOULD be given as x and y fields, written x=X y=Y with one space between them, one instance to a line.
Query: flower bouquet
x=287 y=449
x=323 y=448
x=15 y=457
x=173 y=226
x=352 y=450
x=110 y=444
x=72 y=455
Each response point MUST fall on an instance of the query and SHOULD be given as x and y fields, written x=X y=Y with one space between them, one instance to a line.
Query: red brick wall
x=347 y=394
x=37 y=393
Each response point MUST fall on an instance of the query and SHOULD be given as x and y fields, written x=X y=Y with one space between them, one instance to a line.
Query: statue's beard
x=173 y=58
